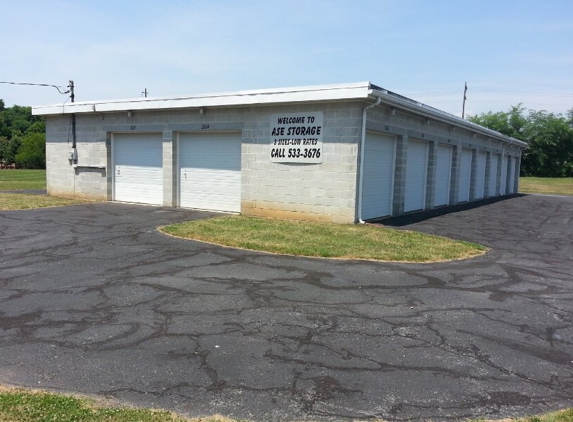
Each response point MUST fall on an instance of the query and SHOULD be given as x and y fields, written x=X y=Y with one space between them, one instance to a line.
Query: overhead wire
x=34 y=84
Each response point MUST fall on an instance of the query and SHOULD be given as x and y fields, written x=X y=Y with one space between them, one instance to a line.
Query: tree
x=550 y=152
x=32 y=152
x=9 y=149
x=16 y=124
x=511 y=123
x=549 y=137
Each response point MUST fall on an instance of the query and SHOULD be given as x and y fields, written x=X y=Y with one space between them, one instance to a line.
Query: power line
x=484 y=91
x=33 y=84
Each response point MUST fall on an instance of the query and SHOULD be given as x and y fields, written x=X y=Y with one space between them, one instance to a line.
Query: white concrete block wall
x=404 y=126
x=322 y=192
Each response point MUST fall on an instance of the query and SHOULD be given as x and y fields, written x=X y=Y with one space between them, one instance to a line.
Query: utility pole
x=144 y=92
x=73 y=153
x=72 y=94
x=464 y=104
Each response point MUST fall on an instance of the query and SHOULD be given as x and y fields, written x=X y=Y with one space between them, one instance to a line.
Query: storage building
x=342 y=153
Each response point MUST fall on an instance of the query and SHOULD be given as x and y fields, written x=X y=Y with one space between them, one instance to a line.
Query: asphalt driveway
x=94 y=300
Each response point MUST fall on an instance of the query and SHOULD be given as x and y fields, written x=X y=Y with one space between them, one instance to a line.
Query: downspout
x=361 y=168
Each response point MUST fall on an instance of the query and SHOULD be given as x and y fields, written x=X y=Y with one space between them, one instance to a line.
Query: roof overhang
x=339 y=92
x=394 y=100
x=240 y=98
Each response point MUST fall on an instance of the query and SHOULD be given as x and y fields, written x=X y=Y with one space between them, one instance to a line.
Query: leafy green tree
x=16 y=123
x=549 y=137
x=511 y=123
x=3 y=147
x=37 y=127
x=550 y=152
x=9 y=149
x=32 y=152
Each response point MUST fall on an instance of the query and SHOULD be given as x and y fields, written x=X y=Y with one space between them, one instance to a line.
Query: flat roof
x=334 y=92
x=350 y=91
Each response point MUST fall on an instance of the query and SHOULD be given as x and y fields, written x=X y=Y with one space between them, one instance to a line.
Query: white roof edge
x=332 y=92
x=251 y=97
x=429 y=111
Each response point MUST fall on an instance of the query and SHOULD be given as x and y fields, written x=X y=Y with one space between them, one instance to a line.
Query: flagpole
x=464 y=104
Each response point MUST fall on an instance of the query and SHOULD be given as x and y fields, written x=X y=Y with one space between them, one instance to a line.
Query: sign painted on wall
x=297 y=137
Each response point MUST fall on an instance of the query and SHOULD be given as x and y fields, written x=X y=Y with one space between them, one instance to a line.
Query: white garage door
x=502 y=189
x=516 y=174
x=138 y=168
x=510 y=174
x=480 y=175
x=465 y=175
x=443 y=175
x=494 y=159
x=378 y=182
x=210 y=171
x=416 y=170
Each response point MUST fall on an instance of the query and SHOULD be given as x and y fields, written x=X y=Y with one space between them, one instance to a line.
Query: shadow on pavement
x=417 y=216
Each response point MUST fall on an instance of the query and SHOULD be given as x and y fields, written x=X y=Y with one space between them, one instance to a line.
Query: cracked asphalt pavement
x=94 y=300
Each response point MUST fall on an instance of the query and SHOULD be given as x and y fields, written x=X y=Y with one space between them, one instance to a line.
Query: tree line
x=549 y=136
x=22 y=137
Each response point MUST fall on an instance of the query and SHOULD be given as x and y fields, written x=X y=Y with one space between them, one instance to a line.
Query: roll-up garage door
x=480 y=175
x=503 y=187
x=510 y=174
x=378 y=182
x=443 y=175
x=465 y=175
x=138 y=168
x=210 y=171
x=494 y=159
x=416 y=170
x=515 y=173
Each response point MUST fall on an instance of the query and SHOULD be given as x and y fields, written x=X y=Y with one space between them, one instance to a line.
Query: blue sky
x=508 y=51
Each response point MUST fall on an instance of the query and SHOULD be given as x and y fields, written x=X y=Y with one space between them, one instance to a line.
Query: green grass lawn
x=349 y=241
x=25 y=406
x=22 y=179
x=546 y=185
x=18 y=201
x=27 y=180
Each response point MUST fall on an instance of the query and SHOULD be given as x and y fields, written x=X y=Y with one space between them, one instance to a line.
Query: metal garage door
x=510 y=174
x=480 y=175
x=210 y=171
x=465 y=175
x=494 y=159
x=443 y=175
x=516 y=174
x=138 y=168
x=416 y=170
x=502 y=188
x=378 y=182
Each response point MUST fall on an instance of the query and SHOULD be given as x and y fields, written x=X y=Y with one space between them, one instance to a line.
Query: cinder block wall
x=89 y=179
x=406 y=127
x=321 y=192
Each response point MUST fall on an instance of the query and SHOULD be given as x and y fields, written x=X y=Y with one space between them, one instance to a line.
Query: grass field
x=25 y=406
x=27 y=180
x=349 y=241
x=546 y=185
x=22 y=180
x=18 y=201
